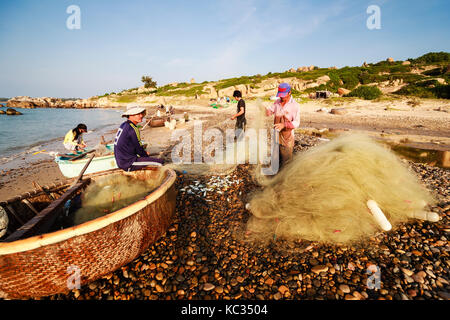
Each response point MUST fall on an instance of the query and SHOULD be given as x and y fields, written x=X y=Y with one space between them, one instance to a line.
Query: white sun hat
x=133 y=109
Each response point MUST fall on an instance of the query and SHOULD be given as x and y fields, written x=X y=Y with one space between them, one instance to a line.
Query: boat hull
x=71 y=169
x=57 y=262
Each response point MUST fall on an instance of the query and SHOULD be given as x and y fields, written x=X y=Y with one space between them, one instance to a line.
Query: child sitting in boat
x=128 y=149
x=73 y=140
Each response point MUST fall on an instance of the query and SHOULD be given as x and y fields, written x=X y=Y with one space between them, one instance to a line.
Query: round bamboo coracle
x=43 y=265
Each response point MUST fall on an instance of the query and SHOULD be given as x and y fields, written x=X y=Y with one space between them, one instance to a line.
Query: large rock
x=143 y=89
x=226 y=92
x=244 y=89
x=304 y=69
x=45 y=102
x=406 y=63
x=211 y=92
x=338 y=111
x=323 y=79
x=12 y=112
x=390 y=60
x=343 y=91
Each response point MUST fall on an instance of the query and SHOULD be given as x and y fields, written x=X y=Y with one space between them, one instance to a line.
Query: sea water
x=44 y=129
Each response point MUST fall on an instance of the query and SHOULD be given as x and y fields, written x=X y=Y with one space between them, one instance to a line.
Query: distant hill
x=427 y=76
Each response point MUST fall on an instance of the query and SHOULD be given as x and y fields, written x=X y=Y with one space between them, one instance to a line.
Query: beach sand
x=423 y=122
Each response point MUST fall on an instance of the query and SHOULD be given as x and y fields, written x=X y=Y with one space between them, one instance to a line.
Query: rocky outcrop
x=46 y=102
x=338 y=111
x=11 y=112
x=305 y=69
x=343 y=91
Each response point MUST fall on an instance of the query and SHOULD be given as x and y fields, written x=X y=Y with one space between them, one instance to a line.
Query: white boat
x=72 y=168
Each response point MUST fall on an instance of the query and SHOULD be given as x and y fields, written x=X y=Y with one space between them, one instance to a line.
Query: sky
x=118 y=42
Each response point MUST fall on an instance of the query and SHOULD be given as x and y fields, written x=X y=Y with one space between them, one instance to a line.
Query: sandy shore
x=424 y=122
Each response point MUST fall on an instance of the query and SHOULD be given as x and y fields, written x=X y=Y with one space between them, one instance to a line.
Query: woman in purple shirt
x=128 y=150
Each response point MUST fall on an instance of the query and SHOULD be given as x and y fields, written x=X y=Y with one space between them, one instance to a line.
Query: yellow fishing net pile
x=321 y=194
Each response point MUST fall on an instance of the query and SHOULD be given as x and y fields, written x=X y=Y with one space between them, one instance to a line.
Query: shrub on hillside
x=432 y=57
x=400 y=68
x=365 y=92
x=148 y=82
x=426 y=89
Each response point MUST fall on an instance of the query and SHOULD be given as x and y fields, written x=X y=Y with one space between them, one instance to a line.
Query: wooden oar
x=80 y=176
x=44 y=219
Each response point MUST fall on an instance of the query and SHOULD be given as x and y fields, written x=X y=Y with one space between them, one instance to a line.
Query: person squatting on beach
x=287 y=118
x=241 y=121
x=73 y=139
x=128 y=150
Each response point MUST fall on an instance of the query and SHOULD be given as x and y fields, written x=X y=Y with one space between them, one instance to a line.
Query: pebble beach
x=206 y=254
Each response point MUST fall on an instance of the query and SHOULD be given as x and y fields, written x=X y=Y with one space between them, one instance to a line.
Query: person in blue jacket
x=128 y=150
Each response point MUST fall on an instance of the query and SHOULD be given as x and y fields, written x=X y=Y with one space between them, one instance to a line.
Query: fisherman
x=128 y=149
x=240 y=115
x=287 y=118
x=73 y=139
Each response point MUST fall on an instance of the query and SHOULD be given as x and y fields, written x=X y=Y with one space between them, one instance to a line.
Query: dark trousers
x=240 y=129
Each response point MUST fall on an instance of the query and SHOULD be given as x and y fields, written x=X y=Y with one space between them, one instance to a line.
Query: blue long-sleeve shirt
x=128 y=145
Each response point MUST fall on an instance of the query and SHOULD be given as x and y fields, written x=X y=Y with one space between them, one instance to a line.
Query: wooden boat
x=37 y=262
x=72 y=164
x=158 y=121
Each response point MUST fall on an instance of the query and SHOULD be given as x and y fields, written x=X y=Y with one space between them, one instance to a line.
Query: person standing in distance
x=241 y=121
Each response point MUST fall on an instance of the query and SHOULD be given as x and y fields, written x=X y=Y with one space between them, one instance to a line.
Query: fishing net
x=322 y=194
x=111 y=193
x=102 y=150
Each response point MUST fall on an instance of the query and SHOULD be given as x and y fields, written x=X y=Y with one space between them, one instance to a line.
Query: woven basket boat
x=158 y=122
x=42 y=264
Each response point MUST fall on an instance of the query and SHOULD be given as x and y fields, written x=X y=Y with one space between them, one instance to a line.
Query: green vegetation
x=148 y=82
x=426 y=89
x=432 y=58
x=366 y=93
x=127 y=98
x=181 y=90
x=417 y=84
x=251 y=80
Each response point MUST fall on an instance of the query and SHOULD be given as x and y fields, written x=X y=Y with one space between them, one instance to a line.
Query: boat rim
x=58 y=160
x=45 y=239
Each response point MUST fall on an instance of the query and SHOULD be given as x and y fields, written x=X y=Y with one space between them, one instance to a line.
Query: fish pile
x=216 y=184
